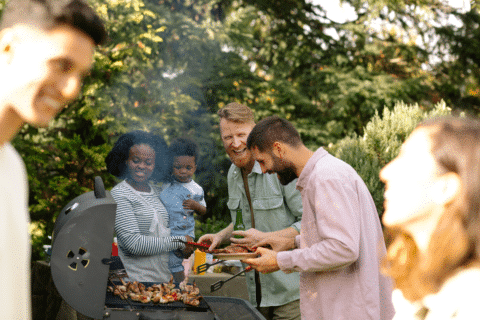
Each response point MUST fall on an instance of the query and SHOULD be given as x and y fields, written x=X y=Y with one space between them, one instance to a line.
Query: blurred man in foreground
x=341 y=243
x=46 y=49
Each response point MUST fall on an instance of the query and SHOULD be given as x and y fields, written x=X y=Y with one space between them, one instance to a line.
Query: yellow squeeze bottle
x=199 y=259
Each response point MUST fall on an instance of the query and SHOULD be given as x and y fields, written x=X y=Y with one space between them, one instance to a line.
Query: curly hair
x=117 y=157
x=455 y=243
x=183 y=147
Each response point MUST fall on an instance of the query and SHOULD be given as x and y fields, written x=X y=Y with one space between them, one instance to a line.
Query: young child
x=182 y=197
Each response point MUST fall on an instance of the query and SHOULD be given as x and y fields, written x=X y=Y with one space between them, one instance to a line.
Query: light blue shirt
x=182 y=221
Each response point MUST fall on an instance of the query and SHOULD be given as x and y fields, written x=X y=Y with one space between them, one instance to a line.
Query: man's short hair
x=48 y=14
x=270 y=130
x=236 y=112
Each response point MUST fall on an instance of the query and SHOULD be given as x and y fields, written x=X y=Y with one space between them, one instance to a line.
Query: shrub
x=381 y=142
x=210 y=225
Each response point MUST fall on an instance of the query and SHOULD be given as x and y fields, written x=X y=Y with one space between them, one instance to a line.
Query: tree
x=171 y=64
x=328 y=85
x=458 y=74
x=151 y=75
x=381 y=142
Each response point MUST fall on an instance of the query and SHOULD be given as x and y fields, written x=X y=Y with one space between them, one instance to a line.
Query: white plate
x=235 y=256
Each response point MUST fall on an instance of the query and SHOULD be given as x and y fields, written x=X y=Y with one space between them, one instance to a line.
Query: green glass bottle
x=239 y=222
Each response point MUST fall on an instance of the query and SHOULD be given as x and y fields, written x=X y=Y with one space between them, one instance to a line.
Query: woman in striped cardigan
x=141 y=223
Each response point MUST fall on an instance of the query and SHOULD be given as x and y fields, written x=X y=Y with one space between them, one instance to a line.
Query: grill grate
x=113 y=301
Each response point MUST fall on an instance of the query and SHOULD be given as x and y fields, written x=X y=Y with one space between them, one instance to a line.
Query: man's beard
x=285 y=172
x=286 y=176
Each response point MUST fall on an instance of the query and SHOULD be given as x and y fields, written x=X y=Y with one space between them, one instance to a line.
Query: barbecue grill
x=81 y=267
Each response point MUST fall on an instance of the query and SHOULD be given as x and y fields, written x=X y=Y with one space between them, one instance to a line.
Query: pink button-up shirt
x=341 y=246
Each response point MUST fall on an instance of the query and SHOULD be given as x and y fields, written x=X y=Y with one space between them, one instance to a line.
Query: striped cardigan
x=142 y=252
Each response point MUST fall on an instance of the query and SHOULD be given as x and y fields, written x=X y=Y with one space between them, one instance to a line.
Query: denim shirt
x=276 y=207
x=182 y=221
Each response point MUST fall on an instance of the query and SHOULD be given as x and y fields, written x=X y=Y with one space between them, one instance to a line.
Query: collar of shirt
x=256 y=169
x=307 y=170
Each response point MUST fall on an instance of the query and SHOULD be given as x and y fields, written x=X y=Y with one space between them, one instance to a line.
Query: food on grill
x=158 y=293
x=232 y=249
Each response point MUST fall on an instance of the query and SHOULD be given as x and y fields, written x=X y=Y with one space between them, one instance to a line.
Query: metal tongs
x=119 y=274
x=203 y=267
x=217 y=285
x=200 y=246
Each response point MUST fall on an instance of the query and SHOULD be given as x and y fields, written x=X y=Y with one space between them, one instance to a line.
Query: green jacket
x=276 y=207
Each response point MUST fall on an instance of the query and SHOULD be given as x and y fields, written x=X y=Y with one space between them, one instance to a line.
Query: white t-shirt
x=14 y=236
x=456 y=300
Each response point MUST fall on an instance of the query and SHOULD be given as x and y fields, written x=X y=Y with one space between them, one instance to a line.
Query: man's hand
x=277 y=243
x=266 y=263
x=214 y=239
x=249 y=237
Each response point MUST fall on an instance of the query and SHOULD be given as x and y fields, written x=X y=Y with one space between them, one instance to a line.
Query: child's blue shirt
x=182 y=221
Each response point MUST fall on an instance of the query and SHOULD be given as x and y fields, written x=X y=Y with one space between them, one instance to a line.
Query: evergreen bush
x=381 y=142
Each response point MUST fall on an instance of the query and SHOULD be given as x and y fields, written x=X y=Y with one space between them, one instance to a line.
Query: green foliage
x=328 y=86
x=458 y=78
x=211 y=225
x=60 y=167
x=167 y=80
x=381 y=143
x=156 y=73
x=169 y=65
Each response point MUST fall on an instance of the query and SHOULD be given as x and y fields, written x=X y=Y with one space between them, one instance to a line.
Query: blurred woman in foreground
x=432 y=203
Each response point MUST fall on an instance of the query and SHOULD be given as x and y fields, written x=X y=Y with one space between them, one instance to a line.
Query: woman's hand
x=187 y=252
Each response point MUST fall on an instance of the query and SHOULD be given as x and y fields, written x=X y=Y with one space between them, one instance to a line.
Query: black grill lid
x=81 y=249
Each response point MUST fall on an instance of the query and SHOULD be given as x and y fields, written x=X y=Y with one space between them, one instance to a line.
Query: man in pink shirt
x=341 y=244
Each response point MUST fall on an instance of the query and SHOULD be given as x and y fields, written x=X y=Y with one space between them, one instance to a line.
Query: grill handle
x=99 y=188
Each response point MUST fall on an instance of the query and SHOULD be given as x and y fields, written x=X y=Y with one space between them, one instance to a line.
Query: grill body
x=81 y=250
x=80 y=264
